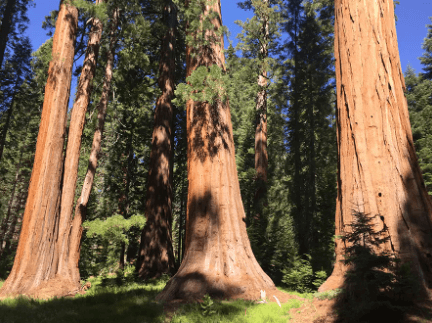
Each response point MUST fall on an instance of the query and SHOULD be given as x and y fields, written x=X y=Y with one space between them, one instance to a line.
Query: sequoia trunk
x=81 y=206
x=76 y=127
x=156 y=255
x=34 y=263
x=218 y=258
x=378 y=169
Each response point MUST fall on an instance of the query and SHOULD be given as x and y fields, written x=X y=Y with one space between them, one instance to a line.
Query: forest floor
x=121 y=299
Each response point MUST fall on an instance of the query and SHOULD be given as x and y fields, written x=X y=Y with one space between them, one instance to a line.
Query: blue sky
x=411 y=26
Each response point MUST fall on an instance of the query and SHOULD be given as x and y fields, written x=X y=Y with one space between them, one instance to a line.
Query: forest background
x=293 y=240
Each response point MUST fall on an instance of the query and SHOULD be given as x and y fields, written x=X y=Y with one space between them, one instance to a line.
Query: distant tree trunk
x=81 y=207
x=76 y=127
x=6 y=26
x=156 y=255
x=218 y=258
x=378 y=169
x=34 y=271
x=6 y=128
x=261 y=156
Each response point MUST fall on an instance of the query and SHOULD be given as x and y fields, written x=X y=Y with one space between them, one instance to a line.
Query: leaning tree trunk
x=34 y=261
x=218 y=258
x=70 y=172
x=81 y=206
x=378 y=169
x=156 y=255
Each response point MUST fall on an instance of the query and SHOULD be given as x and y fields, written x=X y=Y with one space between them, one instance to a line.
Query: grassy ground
x=115 y=300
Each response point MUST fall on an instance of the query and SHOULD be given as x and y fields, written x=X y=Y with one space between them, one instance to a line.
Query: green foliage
x=426 y=58
x=419 y=98
x=207 y=306
x=114 y=227
x=99 y=11
x=301 y=277
x=205 y=84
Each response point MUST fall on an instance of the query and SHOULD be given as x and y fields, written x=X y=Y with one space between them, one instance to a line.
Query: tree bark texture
x=218 y=258
x=67 y=266
x=5 y=28
x=81 y=206
x=156 y=255
x=378 y=169
x=34 y=264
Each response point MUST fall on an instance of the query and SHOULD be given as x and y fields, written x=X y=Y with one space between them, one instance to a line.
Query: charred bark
x=156 y=255
x=34 y=261
x=378 y=168
x=218 y=258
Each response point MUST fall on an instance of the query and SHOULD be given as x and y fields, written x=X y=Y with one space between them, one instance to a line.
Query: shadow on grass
x=129 y=303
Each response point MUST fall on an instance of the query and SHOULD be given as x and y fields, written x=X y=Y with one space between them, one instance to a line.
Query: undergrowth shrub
x=300 y=276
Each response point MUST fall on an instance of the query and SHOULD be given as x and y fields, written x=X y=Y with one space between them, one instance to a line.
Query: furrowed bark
x=218 y=258
x=76 y=127
x=156 y=255
x=81 y=207
x=34 y=260
x=378 y=168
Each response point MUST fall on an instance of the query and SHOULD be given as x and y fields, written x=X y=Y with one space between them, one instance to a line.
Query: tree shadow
x=384 y=284
x=109 y=305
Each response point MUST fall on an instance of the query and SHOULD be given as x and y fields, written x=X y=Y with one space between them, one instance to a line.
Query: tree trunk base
x=55 y=287
x=194 y=286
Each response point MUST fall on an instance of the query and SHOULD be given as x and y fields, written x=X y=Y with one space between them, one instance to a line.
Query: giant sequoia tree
x=35 y=270
x=218 y=258
x=156 y=254
x=378 y=169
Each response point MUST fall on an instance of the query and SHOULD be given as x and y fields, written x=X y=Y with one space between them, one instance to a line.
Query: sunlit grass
x=236 y=311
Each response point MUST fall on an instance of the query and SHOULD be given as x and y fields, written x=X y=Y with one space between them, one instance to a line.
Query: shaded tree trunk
x=6 y=127
x=218 y=258
x=34 y=271
x=378 y=169
x=76 y=127
x=156 y=255
x=261 y=156
x=6 y=26
x=81 y=206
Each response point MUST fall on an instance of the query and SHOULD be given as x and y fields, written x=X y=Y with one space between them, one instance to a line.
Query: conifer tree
x=378 y=168
x=218 y=259
x=36 y=261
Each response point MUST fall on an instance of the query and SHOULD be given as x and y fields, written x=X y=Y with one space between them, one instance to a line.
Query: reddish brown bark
x=70 y=172
x=378 y=169
x=34 y=261
x=156 y=255
x=81 y=206
x=218 y=258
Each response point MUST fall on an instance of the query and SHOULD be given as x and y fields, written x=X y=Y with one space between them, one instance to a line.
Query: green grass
x=107 y=302
x=238 y=311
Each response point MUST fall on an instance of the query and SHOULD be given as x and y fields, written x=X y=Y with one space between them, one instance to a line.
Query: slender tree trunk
x=81 y=207
x=34 y=261
x=156 y=255
x=76 y=127
x=218 y=258
x=261 y=156
x=378 y=169
x=6 y=26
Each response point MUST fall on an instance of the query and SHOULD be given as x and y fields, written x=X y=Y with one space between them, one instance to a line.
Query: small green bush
x=300 y=276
